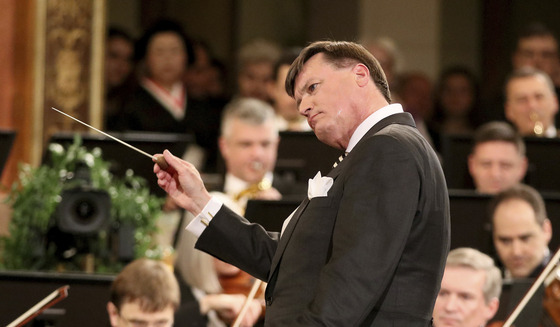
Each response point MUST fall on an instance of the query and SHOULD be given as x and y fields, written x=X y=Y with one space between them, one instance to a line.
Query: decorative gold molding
x=97 y=95
x=68 y=67
x=39 y=82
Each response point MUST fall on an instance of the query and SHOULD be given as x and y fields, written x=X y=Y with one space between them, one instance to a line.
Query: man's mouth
x=312 y=121
x=257 y=165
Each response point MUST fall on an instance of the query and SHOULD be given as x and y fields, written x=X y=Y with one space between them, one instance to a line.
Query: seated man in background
x=497 y=161
x=255 y=66
x=521 y=231
x=249 y=145
x=144 y=293
x=537 y=47
x=531 y=103
x=470 y=290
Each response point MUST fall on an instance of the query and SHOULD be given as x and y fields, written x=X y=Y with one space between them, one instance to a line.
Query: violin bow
x=52 y=299
x=256 y=285
x=546 y=271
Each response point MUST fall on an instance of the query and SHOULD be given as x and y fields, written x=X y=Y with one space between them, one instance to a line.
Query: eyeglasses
x=133 y=322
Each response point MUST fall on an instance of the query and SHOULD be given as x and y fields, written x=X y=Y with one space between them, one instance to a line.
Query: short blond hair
x=250 y=111
x=474 y=259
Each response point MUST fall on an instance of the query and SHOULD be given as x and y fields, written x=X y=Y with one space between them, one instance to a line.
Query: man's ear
x=470 y=164
x=547 y=229
x=113 y=314
x=491 y=308
x=223 y=146
x=362 y=74
x=508 y=111
x=524 y=167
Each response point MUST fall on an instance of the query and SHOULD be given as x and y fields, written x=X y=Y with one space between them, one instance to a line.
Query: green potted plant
x=36 y=195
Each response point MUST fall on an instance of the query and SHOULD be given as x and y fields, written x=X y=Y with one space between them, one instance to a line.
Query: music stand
x=471 y=225
x=121 y=158
x=87 y=307
x=455 y=150
x=270 y=213
x=543 y=173
x=542 y=153
x=301 y=155
x=6 y=141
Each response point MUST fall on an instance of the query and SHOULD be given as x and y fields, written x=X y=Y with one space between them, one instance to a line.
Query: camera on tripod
x=81 y=220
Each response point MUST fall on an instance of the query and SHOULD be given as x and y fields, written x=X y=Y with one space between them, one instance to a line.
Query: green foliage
x=36 y=195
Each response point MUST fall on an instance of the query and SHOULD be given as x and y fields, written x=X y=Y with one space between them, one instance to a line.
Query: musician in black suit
x=521 y=231
x=368 y=247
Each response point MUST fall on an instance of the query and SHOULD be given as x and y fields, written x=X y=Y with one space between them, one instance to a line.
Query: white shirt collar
x=551 y=132
x=370 y=121
x=234 y=185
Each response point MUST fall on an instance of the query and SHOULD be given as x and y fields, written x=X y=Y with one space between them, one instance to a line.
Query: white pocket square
x=319 y=186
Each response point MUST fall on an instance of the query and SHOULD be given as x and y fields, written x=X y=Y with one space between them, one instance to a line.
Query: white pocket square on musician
x=319 y=186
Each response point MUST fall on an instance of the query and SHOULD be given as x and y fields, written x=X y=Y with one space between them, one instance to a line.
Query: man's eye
x=312 y=87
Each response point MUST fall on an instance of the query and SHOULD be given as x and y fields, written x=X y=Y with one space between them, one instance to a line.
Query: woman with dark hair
x=160 y=103
x=457 y=100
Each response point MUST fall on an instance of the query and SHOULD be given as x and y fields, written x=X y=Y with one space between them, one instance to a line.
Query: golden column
x=69 y=55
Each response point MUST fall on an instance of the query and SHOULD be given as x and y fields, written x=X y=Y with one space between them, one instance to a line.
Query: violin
x=236 y=281
x=52 y=299
x=240 y=283
x=551 y=301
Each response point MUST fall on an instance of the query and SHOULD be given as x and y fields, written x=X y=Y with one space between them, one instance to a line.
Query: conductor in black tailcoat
x=368 y=246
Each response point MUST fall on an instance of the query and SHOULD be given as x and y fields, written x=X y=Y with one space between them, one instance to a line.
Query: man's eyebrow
x=526 y=235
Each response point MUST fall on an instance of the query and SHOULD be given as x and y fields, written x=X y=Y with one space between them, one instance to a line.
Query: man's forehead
x=537 y=42
x=494 y=148
x=310 y=66
x=526 y=84
x=464 y=274
x=515 y=213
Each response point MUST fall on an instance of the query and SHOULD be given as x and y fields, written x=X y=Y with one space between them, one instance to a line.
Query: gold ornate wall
x=68 y=67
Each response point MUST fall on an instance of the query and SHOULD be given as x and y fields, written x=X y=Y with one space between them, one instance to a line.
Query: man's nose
x=495 y=171
x=533 y=105
x=257 y=151
x=516 y=248
x=304 y=106
x=451 y=303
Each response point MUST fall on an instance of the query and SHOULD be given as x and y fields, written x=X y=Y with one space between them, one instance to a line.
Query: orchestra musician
x=531 y=103
x=144 y=293
x=470 y=290
x=248 y=143
x=521 y=231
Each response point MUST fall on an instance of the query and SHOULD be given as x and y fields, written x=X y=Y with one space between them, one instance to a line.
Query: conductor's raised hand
x=183 y=183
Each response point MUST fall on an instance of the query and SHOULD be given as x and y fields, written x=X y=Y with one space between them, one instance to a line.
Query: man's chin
x=519 y=273
x=448 y=322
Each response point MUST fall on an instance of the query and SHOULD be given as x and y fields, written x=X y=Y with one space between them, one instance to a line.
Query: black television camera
x=81 y=220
